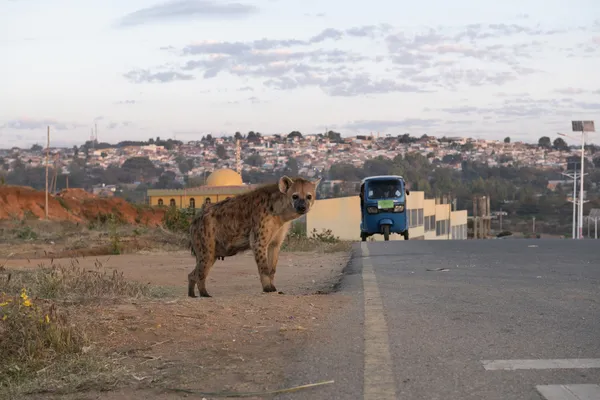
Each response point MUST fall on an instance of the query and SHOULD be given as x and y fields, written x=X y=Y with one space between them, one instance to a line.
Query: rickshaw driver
x=391 y=188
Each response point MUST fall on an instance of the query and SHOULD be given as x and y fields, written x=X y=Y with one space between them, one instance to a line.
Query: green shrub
x=179 y=220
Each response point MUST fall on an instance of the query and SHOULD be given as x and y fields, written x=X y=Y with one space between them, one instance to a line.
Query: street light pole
x=581 y=184
x=583 y=127
x=574 y=201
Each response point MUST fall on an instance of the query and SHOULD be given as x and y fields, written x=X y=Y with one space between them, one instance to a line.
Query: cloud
x=588 y=106
x=288 y=64
x=35 y=124
x=328 y=33
x=115 y=125
x=252 y=99
x=523 y=107
x=574 y=90
x=343 y=84
x=488 y=31
x=126 y=102
x=467 y=56
x=423 y=62
x=145 y=76
x=383 y=125
x=185 y=9
x=317 y=15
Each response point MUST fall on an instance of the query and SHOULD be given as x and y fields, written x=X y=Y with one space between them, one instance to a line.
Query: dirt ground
x=234 y=341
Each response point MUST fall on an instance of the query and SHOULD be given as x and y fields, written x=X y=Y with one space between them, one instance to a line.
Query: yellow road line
x=379 y=381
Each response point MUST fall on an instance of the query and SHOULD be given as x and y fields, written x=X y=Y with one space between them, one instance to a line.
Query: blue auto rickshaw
x=383 y=206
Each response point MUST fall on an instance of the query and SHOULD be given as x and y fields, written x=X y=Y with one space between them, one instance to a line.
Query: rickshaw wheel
x=386 y=232
x=363 y=236
x=405 y=234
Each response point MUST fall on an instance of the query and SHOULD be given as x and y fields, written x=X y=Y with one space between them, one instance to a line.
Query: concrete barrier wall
x=342 y=216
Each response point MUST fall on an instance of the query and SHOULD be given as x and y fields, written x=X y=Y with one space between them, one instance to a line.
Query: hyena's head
x=300 y=192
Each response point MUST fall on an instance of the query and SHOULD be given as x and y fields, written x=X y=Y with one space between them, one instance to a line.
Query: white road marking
x=570 y=392
x=512 y=365
x=378 y=377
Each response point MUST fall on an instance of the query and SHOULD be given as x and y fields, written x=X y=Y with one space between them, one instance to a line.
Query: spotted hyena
x=257 y=220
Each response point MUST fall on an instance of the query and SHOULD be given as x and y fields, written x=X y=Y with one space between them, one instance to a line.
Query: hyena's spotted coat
x=257 y=220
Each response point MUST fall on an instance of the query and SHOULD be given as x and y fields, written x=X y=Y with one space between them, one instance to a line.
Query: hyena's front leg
x=273 y=253
x=260 y=247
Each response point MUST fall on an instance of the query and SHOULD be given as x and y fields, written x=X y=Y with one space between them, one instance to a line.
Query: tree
x=221 y=152
x=507 y=139
x=451 y=159
x=334 y=136
x=167 y=181
x=292 y=166
x=194 y=181
x=545 y=142
x=255 y=160
x=560 y=144
x=406 y=138
x=185 y=165
x=469 y=146
x=140 y=168
x=294 y=134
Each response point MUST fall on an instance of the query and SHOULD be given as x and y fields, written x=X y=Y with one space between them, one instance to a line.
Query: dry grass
x=38 y=239
x=32 y=334
x=75 y=284
x=303 y=244
x=323 y=242
x=40 y=347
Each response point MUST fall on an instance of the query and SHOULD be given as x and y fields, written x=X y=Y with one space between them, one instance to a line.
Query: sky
x=182 y=69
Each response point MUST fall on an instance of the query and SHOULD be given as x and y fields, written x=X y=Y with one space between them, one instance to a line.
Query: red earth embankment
x=75 y=205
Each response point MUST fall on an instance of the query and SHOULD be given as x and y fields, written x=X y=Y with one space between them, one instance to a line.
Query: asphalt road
x=492 y=300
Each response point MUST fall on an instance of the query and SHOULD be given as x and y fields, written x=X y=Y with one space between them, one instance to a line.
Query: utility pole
x=581 y=184
x=583 y=127
x=500 y=219
x=574 y=200
x=594 y=214
x=533 y=224
x=47 y=154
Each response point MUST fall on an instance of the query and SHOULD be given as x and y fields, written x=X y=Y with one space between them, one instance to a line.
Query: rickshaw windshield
x=384 y=189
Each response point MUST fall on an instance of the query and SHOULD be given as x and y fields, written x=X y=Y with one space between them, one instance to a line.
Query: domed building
x=220 y=184
x=224 y=177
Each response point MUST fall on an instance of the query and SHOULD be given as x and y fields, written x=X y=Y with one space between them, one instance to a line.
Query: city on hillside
x=307 y=155
x=523 y=180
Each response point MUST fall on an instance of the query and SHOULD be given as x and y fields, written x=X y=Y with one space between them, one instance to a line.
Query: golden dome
x=224 y=177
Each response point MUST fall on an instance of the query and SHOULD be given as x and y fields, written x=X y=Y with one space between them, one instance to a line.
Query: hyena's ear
x=316 y=183
x=285 y=183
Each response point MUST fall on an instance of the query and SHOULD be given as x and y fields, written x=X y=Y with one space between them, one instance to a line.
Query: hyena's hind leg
x=199 y=275
x=204 y=249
